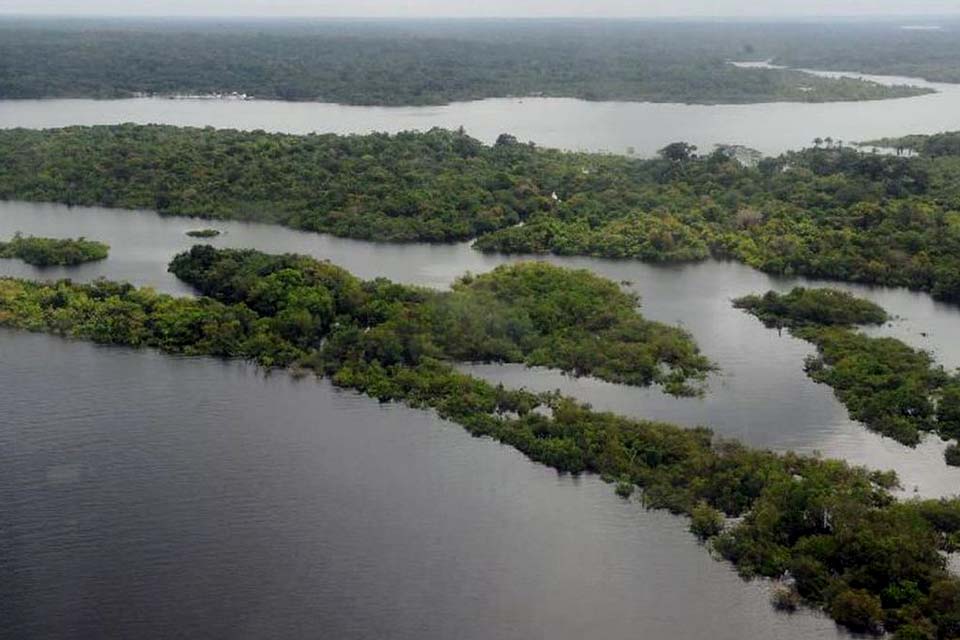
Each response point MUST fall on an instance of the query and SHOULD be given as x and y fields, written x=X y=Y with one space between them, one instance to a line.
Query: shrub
x=857 y=610
x=705 y=521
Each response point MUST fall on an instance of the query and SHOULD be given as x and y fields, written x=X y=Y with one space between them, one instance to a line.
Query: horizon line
x=805 y=17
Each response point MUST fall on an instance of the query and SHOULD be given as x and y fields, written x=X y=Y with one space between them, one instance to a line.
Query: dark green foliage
x=46 y=252
x=532 y=313
x=405 y=63
x=439 y=185
x=884 y=383
x=203 y=233
x=858 y=610
x=811 y=306
x=851 y=548
x=826 y=212
x=948 y=411
x=705 y=521
x=952 y=455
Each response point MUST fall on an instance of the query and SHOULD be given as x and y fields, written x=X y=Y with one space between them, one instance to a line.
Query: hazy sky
x=475 y=8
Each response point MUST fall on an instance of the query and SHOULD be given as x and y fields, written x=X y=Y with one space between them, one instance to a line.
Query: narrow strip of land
x=871 y=562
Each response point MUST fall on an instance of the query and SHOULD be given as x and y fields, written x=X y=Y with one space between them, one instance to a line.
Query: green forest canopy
x=828 y=211
x=870 y=562
x=402 y=63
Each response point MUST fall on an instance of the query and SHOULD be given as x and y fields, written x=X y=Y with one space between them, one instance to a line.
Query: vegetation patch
x=203 y=233
x=869 y=561
x=889 y=386
x=826 y=212
x=46 y=252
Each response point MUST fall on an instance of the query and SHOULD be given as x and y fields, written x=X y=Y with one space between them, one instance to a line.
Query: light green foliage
x=45 y=252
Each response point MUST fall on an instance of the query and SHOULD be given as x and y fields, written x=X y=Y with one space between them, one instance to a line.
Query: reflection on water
x=760 y=396
x=152 y=496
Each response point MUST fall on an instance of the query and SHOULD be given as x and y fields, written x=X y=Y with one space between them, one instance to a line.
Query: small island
x=892 y=388
x=203 y=233
x=49 y=252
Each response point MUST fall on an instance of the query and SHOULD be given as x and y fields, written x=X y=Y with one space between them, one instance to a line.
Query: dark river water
x=149 y=496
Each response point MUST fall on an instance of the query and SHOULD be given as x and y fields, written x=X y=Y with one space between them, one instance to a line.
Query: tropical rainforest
x=889 y=386
x=871 y=562
x=45 y=252
x=402 y=63
x=829 y=211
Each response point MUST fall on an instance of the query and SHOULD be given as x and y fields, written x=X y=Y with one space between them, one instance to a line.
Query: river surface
x=564 y=123
x=152 y=496
x=146 y=494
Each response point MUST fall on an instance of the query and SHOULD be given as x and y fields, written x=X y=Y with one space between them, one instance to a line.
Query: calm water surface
x=761 y=395
x=151 y=496
x=563 y=123
x=147 y=496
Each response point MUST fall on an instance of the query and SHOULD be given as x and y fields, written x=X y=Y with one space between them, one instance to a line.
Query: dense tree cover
x=889 y=386
x=802 y=307
x=828 y=211
x=879 y=47
x=869 y=561
x=399 y=63
x=438 y=185
x=45 y=252
x=533 y=313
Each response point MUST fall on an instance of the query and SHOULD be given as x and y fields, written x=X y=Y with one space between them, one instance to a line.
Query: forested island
x=892 y=388
x=403 y=63
x=829 y=211
x=203 y=233
x=46 y=252
x=872 y=563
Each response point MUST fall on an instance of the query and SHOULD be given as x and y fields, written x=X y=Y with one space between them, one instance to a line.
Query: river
x=565 y=123
x=148 y=496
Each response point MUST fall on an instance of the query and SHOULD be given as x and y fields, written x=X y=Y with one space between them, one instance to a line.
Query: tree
x=678 y=152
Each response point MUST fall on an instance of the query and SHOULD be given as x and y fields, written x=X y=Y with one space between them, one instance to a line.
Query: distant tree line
x=398 y=63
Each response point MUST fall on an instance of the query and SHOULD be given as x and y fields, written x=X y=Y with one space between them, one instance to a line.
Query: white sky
x=484 y=8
